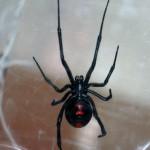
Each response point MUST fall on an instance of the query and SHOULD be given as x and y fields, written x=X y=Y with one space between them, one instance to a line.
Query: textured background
x=28 y=115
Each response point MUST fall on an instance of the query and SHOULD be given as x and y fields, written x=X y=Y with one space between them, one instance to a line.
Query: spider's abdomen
x=78 y=112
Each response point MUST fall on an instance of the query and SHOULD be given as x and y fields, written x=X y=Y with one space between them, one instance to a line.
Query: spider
x=78 y=105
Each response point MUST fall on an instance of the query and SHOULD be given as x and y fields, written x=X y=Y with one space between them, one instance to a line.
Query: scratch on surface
x=54 y=143
x=27 y=102
x=33 y=116
x=36 y=89
x=146 y=32
x=40 y=132
x=145 y=147
x=12 y=147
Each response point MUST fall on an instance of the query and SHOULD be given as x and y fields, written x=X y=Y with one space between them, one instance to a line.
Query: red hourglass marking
x=79 y=106
x=78 y=125
x=79 y=112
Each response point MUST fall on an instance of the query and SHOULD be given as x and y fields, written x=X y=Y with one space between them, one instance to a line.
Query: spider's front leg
x=99 y=38
x=59 y=33
x=50 y=82
x=109 y=73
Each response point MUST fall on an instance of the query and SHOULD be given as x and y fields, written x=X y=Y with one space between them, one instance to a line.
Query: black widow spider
x=79 y=106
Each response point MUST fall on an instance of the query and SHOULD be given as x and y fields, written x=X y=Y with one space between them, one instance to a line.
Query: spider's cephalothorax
x=78 y=105
x=79 y=79
x=79 y=88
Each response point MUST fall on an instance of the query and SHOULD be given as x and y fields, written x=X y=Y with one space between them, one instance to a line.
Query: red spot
x=79 y=106
x=79 y=112
x=78 y=125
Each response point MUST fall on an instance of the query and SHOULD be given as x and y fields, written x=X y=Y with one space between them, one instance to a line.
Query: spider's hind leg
x=98 y=119
x=59 y=120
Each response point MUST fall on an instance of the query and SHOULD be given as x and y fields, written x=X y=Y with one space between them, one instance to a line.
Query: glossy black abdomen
x=78 y=112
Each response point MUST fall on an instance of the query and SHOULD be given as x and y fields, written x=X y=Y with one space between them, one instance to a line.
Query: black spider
x=79 y=106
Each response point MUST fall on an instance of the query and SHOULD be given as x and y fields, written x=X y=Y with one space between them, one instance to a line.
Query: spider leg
x=59 y=120
x=62 y=100
x=50 y=82
x=100 y=96
x=97 y=118
x=69 y=73
x=109 y=74
x=88 y=75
